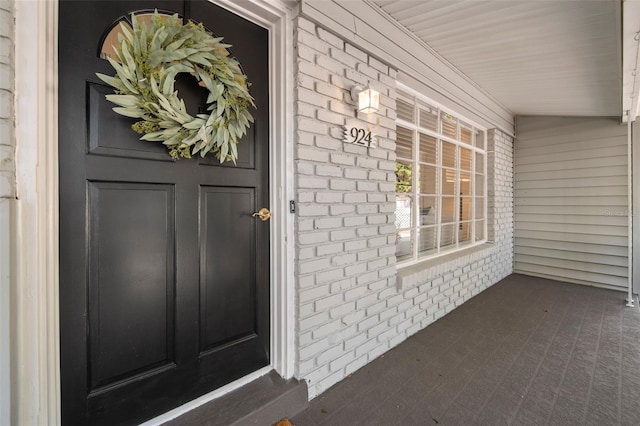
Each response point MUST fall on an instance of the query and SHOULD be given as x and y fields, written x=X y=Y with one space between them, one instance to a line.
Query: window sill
x=412 y=275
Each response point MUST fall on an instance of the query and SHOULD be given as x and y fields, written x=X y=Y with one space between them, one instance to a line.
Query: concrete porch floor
x=527 y=351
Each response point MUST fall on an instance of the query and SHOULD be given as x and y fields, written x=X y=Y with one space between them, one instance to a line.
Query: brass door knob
x=264 y=214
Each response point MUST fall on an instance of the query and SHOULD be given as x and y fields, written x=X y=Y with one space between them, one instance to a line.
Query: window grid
x=463 y=229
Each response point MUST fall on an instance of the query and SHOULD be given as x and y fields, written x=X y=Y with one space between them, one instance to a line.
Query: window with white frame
x=441 y=180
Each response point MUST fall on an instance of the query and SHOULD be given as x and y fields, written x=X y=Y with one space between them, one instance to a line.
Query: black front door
x=164 y=273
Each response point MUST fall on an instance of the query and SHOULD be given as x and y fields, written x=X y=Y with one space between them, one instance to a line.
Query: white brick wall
x=353 y=303
x=7 y=148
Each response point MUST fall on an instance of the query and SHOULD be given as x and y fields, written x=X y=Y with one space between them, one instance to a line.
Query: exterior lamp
x=367 y=99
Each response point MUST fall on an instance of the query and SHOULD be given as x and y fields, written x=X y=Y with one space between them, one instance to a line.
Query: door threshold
x=191 y=405
x=261 y=398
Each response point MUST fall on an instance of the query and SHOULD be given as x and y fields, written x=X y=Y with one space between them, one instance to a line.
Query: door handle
x=264 y=214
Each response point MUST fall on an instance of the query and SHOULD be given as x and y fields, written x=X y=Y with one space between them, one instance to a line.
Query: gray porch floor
x=527 y=351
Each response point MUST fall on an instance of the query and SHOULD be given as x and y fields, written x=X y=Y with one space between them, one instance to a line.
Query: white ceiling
x=536 y=57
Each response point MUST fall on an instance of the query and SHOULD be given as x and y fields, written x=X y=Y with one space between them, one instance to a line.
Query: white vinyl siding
x=571 y=199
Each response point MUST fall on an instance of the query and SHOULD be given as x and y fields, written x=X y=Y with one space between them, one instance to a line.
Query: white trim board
x=36 y=384
x=365 y=25
x=6 y=206
x=635 y=185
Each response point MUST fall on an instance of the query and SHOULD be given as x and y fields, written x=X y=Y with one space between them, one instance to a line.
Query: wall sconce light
x=367 y=99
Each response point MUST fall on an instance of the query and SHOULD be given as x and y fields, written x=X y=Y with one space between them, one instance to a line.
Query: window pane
x=448 y=182
x=404 y=110
x=448 y=209
x=480 y=230
x=480 y=140
x=449 y=125
x=427 y=182
x=479 y=185
x=465 y=208
x=479 y=163
x=465 y=183
x=404 y=143
x=403 y=177
x=428 y=146
x=404 y=245
x=465 y=159
x=429 y=118
x=447 y=235
x=427 y=240
x=448 y=154
x=466 y=135
x=403 y=211
x=464 y=232
x=479 y=208
x=428 y=210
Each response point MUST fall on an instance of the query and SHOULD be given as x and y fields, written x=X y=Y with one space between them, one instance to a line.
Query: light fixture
x=367 y=99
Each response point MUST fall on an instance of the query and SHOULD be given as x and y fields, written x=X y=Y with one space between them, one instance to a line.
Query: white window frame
x=417 y=99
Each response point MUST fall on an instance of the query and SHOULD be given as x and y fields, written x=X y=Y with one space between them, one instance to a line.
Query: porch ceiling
x=534 y=57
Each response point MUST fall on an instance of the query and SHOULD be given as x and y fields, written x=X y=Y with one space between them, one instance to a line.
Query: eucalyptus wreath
x=150 y=56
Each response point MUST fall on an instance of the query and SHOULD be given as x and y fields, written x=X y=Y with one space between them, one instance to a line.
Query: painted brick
x=330 y=38
x=347 y=59
x=311 y=97
x=7 y=134
x=328 y=302
x=313 y=126
x=6 y=105
x=378 y=65
x=355 y=221
x=343 y=259
x=355 y=198
x=306 y=111
x=6 y=50
x=305 y=53
x=342 y=209
x=312 y=41
x=306 y=25
x=330 y=65
x=342 y=235
x=329 y=276
x=328 y=222
x=329 y=90
x=347 y=160
x=342 y=185
x=355 y=52
x=328 y=197
x=312 y=183
x=313 y=238
x=355 y=174
x=333 y=118
x=304 y=153
x=356 y=303
x=340 y=107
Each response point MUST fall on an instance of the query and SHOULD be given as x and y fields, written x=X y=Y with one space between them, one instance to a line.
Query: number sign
x=359 y=136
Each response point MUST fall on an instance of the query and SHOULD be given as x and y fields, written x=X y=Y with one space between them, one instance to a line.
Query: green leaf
x=194 y=124
x=127 y=112
x=224 y=150
x=123 y=100
x=107 y=79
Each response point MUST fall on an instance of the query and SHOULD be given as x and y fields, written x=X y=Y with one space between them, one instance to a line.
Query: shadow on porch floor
x=527 y=351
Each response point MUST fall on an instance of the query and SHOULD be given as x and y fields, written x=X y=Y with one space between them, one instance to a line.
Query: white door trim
x=35 y=346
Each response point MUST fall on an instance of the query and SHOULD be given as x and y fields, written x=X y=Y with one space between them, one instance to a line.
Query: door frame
x=35 y=223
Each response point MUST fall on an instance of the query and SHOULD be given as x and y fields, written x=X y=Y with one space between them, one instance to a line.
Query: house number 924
x=359 y=136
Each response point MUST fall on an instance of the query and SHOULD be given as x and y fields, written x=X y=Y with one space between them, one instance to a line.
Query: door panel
x=164 y=274
x=227 y=268
x=131 y=315
x=111 y=134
